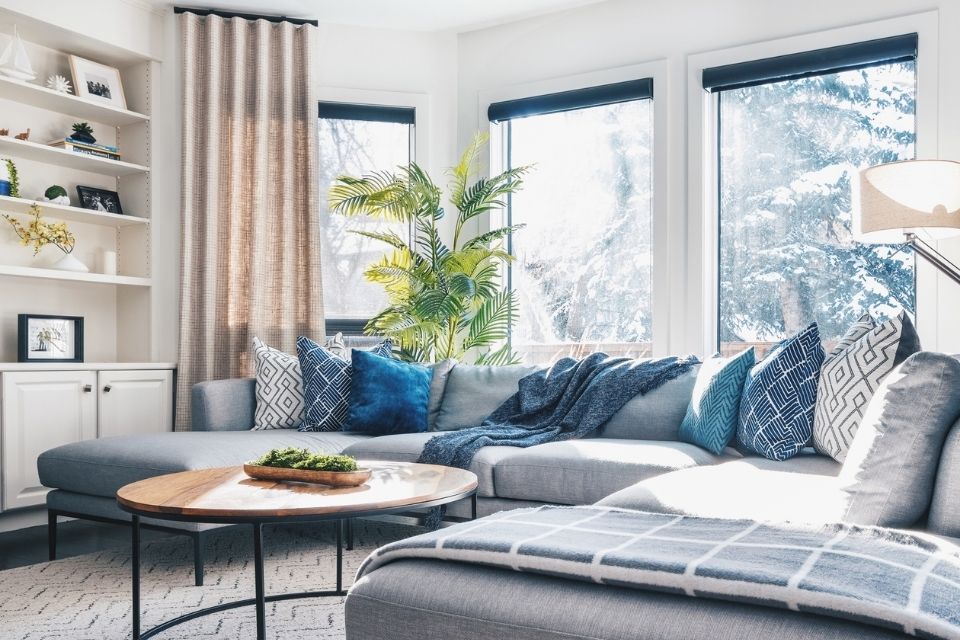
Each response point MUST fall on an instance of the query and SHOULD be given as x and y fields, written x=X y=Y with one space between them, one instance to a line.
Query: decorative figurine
x=23 y=136
x=59 y=84
x=57 y=195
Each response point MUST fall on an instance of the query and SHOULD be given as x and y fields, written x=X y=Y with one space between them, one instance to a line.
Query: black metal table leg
x=258 y=577
x=349 y=534
x=135 y=573
x=339 y=556
x=473 y=507
x=198 y=559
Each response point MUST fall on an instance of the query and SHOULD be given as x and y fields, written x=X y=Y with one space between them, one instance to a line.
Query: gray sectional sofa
x=635 y=461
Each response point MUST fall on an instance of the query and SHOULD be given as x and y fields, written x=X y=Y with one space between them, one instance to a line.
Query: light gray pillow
x=656 y=415
x=473 y=392
x=438 y=383
x=890 y=468
x=849 y=378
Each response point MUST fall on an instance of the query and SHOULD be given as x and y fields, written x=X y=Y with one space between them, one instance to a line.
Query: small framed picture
x=49 y=338
x=97 y=82
x=99 y=199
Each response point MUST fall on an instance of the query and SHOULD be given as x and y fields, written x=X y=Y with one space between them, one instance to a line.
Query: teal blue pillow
x=711 y=420
x=387 y=396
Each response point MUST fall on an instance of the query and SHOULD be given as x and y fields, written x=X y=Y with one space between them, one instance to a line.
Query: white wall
x=628 y=32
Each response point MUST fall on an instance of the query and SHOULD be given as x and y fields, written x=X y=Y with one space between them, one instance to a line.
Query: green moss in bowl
x=293 y=458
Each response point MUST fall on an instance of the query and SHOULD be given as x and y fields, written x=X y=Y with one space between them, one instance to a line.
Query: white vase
x=69 y=263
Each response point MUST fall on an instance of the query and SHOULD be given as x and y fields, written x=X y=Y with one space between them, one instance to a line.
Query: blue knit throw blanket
x=571 y=399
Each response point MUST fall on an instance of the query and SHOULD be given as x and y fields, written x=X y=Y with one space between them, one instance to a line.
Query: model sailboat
x=14 y=61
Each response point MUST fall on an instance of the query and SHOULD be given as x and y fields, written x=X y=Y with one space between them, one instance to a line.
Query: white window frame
x=703 y=239
x=661 y=233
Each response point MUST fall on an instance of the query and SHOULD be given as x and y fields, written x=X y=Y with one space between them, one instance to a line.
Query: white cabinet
x=135 y=402
x=42 y=410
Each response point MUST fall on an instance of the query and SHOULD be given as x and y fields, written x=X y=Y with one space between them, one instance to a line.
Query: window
x=583 y=262
x=793 y=133
x=354 y=140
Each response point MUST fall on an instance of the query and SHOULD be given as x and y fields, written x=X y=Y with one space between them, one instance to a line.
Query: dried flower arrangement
x=39 y=233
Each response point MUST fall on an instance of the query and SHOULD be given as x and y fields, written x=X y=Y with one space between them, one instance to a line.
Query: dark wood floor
x=76 y=537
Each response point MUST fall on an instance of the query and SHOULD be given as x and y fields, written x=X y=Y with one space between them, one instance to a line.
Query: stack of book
x=89 y=148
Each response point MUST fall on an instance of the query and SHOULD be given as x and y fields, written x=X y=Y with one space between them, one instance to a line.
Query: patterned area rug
x=88 y=597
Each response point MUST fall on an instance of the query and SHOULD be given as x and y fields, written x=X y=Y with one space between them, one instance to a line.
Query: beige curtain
x=250 y=253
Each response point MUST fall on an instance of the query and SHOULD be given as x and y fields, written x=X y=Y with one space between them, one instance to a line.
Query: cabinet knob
x=87 y=388
x=106 y=388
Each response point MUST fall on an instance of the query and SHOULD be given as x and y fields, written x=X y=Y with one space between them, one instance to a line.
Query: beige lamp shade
x=908 y=196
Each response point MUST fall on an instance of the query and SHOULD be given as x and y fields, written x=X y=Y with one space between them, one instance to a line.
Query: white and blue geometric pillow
x=779 y=396
x=326 y=384
x=850 y=378
x=278 y=390
x=714 y=409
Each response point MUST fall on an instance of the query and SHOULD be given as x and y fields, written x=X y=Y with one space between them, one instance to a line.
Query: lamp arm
x=934 y=257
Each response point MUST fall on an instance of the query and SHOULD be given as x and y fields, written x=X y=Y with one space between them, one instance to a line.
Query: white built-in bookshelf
x=116 y=307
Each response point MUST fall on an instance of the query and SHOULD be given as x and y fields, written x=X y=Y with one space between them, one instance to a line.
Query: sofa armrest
x=224 y=405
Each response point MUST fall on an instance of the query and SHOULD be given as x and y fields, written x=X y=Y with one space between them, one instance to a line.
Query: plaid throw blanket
x=892 y=579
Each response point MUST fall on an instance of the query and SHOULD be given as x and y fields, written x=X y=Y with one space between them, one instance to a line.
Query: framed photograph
x=49 y=338
x=97 y=82
x=99 y=199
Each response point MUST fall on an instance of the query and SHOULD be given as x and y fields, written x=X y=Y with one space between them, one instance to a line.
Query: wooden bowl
x=331 y=478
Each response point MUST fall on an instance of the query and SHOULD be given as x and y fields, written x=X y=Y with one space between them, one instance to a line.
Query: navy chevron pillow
x=714 y=409
x=779 y=396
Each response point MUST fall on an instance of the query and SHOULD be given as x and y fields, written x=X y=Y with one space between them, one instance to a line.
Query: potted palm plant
x=445 y=300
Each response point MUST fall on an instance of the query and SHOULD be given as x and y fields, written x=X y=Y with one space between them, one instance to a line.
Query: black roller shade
x=811 y=63
x=368 y=112
x=570 y=100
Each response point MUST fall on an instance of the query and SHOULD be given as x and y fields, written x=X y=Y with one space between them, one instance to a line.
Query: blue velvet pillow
x=387 y=396
x=779 y=397
x=326 y=383
x=711 y=420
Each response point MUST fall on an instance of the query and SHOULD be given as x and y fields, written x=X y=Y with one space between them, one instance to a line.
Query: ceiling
x=413 y=15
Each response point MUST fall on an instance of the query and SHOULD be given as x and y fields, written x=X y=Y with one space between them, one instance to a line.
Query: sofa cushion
x=100 y=467
x=406 y=447
x=438 y=384
x=779 y=395
x=584 y=471
x=428 y=599
x=473 y=392
x=387 y=396
x=892 y=463
x=945 y=507
x=656 y=415
x=802 y=489
x=711 y=419
x=849 y=379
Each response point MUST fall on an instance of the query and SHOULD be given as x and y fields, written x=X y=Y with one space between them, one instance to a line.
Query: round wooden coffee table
x=227 y=495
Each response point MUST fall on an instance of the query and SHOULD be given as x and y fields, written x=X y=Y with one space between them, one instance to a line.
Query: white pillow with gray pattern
x=279 y=384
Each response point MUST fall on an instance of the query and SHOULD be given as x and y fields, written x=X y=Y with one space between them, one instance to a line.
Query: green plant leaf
x=501 y=357
x=492 y=321
x=484 y=239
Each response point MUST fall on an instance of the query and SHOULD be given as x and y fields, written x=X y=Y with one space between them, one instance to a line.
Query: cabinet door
x=135 y=402
x=42 y=410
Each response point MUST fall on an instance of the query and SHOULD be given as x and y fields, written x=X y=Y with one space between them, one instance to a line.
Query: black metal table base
x=259 y=601
x=260 y=598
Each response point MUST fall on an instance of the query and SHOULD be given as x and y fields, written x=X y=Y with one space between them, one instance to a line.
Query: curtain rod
x=245 y=16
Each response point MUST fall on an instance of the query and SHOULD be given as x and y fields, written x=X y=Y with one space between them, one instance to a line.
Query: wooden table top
x=226 y=493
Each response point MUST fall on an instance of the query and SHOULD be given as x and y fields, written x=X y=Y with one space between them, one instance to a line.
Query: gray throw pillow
x=279 y=388
x=849 y=378
x=890 y=469
x=441 y=371
x=656 y=415
x=473 y=392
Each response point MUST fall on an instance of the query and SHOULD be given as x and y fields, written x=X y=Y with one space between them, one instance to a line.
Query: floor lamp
x=900 y=199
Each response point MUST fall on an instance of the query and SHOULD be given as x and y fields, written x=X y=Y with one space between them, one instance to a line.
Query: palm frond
x=380 y=195
x=461 y=172
x=492 y=321
x=484 y=239
x=504 y=356
x=389 y=237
